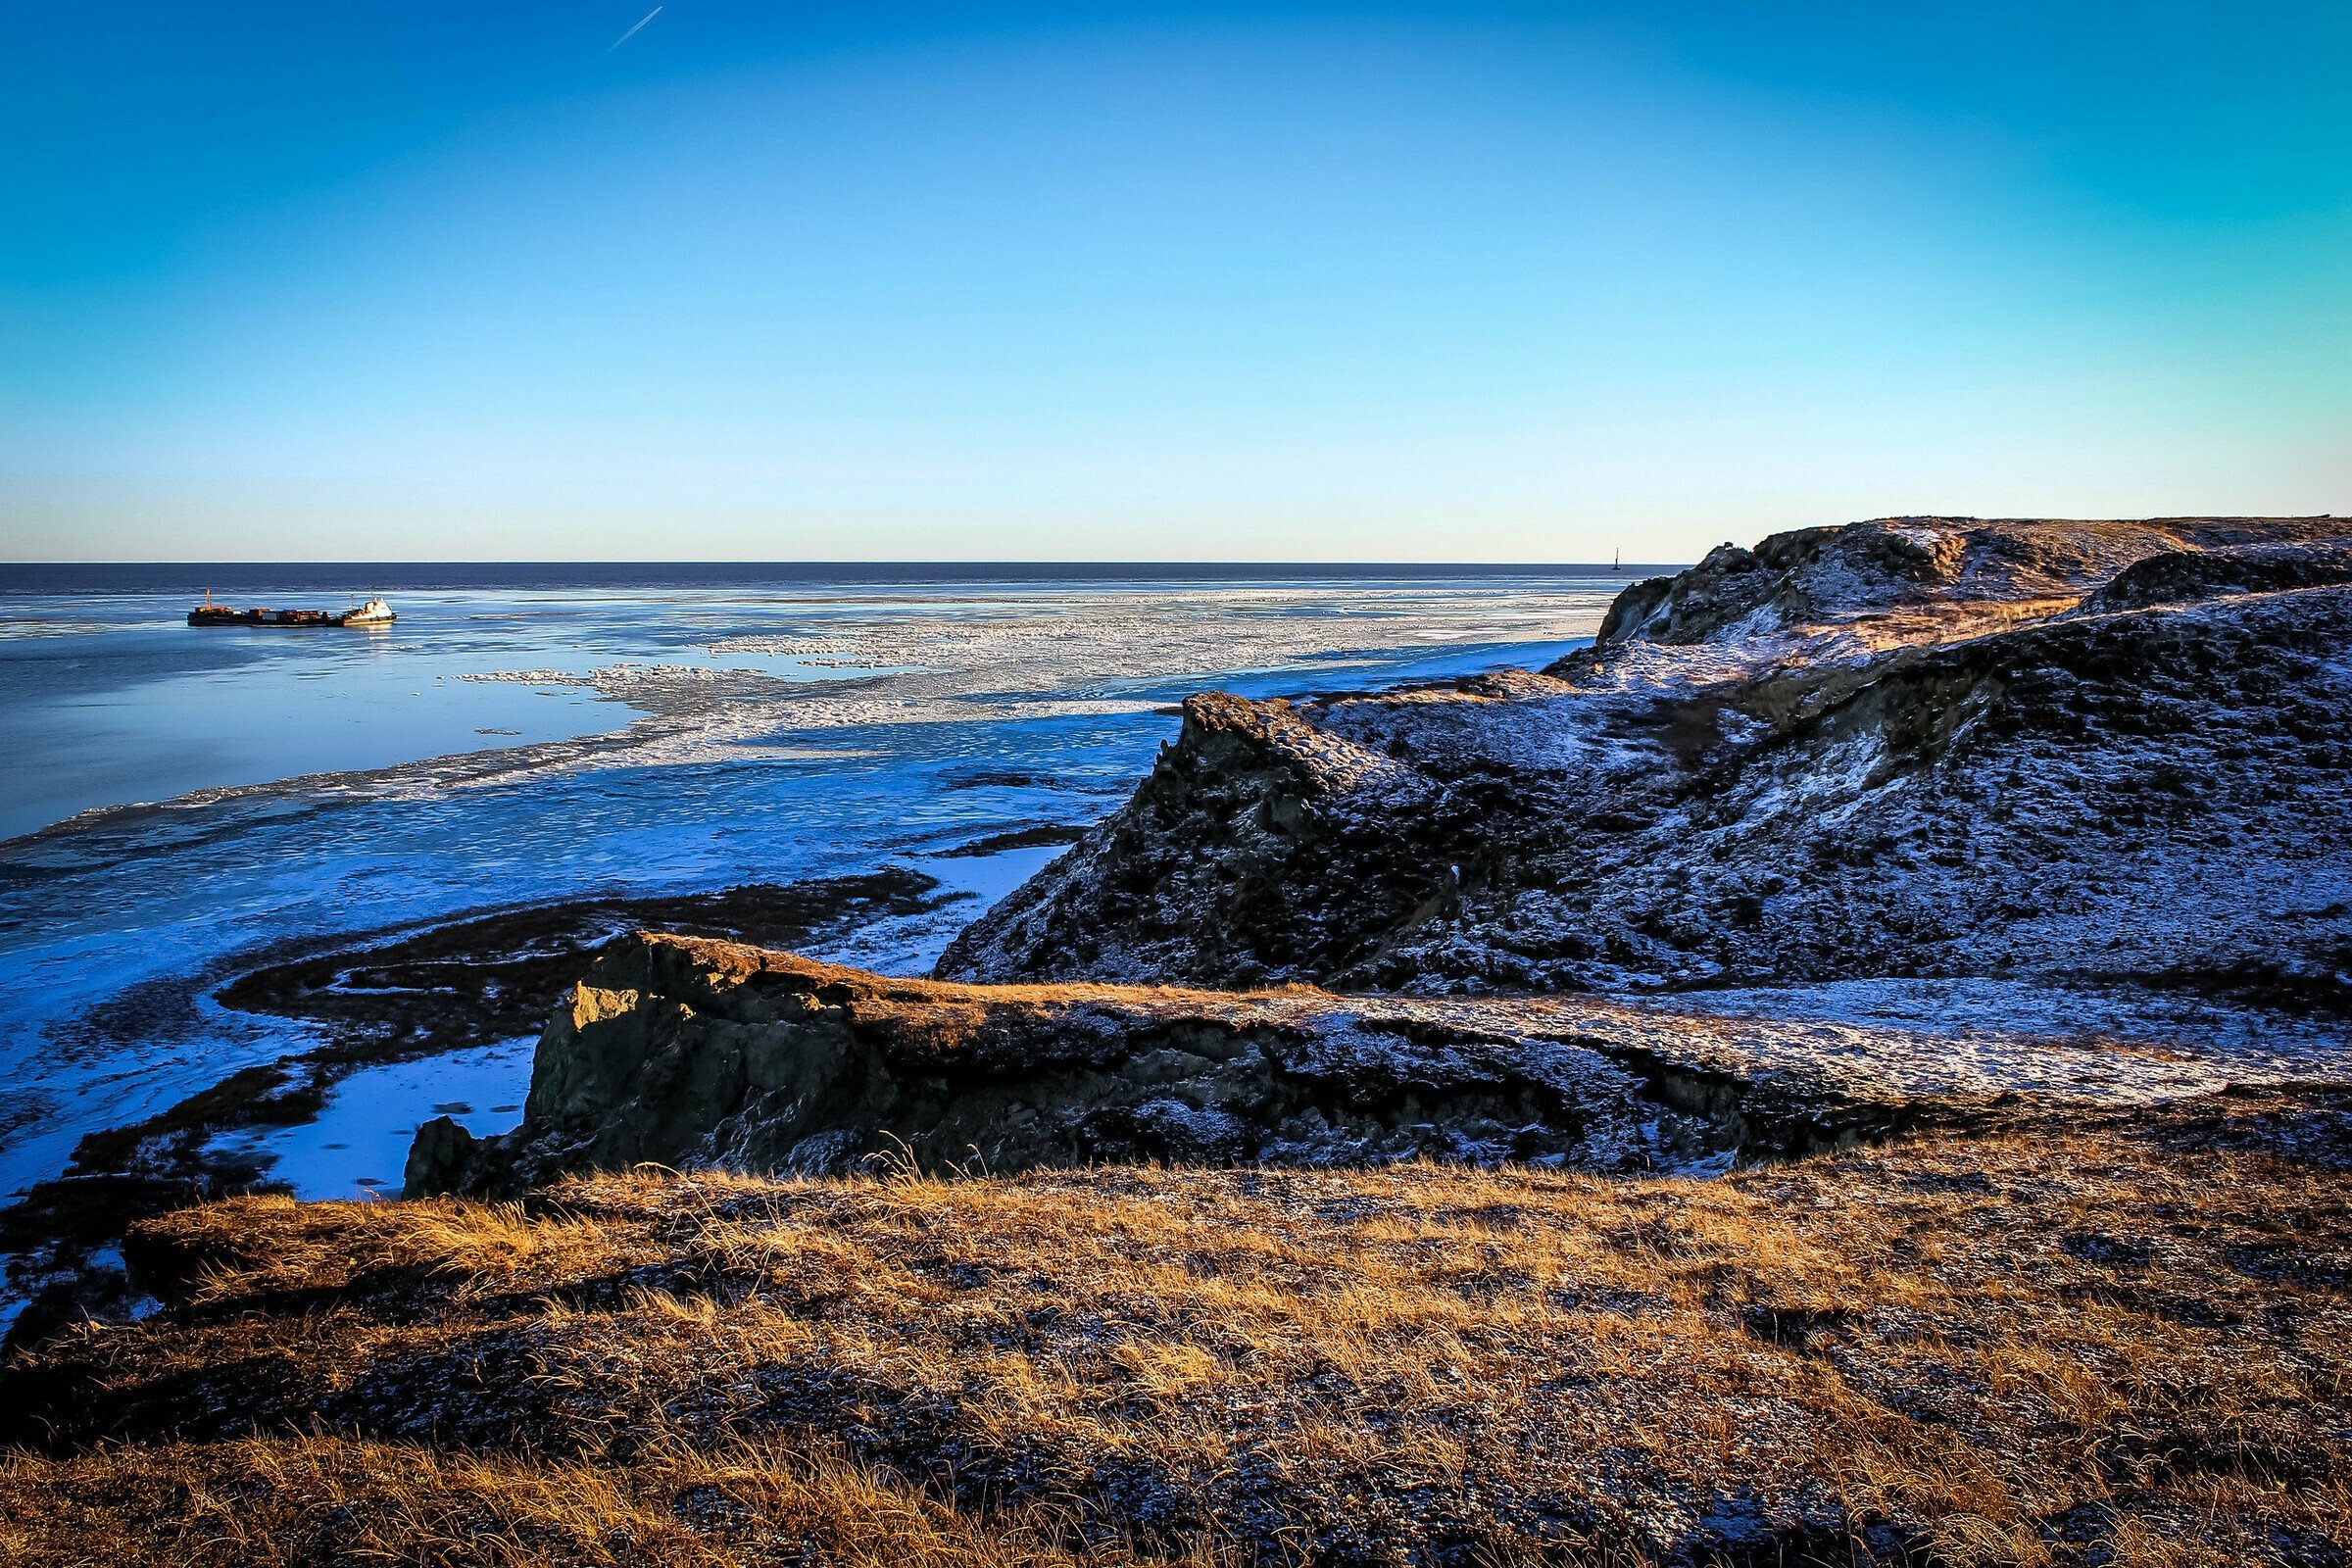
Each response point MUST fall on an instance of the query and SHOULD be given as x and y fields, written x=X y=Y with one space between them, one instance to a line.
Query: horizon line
x=957 y=562
x=760 y=560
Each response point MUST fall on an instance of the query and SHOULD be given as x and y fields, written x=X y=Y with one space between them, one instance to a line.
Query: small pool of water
x=359 y=1145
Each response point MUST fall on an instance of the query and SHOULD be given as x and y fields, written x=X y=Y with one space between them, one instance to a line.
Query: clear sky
x=423 y=280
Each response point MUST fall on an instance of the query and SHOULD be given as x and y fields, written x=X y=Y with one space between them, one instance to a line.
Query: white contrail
x=632 y=32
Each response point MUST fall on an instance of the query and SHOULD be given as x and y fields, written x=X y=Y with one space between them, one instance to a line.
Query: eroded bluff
x=686 y=1052
x=1916 y=747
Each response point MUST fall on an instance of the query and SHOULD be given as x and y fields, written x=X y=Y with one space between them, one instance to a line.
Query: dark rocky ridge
x=1915 y=747
x=494 y=976
x=687 y=1054
x=2184 y=576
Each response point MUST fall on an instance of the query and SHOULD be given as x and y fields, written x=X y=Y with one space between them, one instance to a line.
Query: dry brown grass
x=338 y=1499
x=2065 y=1345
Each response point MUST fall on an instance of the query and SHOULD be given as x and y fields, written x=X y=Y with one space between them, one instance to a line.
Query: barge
x=374 y=612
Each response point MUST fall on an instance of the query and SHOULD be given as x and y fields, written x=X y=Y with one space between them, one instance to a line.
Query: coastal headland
x=1853 y=1067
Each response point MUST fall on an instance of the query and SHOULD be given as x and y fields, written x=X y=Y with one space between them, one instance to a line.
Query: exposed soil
x=689 y=1052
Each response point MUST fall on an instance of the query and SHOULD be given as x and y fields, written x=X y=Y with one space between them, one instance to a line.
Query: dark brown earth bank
x=685 y=1052
x=1852 y=1068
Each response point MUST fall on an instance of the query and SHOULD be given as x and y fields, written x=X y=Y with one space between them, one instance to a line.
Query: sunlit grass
x=1252 y=1365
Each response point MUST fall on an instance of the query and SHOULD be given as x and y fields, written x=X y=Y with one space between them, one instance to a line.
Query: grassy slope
x=2115 y=1340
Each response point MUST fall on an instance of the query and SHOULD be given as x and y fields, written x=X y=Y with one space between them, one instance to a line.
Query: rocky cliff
x=1917 y=747
x=688 y=1053
x=683 y=1053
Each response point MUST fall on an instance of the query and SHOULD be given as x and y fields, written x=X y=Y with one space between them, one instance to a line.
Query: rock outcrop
x=689 y=1052
x=1920 y=747
x=1967 y=573
x=684 y=1053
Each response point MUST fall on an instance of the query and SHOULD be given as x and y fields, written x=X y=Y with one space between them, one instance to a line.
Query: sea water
x=182 y=800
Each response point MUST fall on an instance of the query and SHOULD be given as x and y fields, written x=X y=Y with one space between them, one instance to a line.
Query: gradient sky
x=417 y=279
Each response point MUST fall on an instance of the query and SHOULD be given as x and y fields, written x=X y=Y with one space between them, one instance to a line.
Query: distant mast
x=1618 y=564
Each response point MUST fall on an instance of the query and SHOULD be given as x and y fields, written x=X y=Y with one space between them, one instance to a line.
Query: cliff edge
x=1915 y=747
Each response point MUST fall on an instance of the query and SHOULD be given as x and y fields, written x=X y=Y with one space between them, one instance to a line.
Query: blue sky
x=414 y=280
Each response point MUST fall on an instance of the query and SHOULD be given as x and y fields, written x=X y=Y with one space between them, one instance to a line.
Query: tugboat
x=374 y=612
